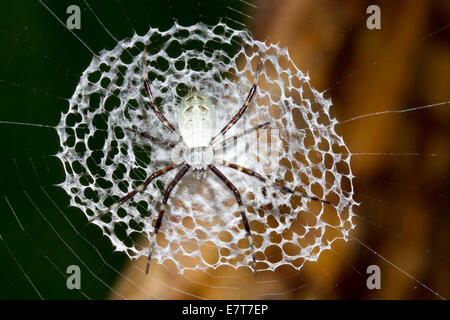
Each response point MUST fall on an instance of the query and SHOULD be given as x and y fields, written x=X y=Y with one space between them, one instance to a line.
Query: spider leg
x=243 y=133
x=241 y=209
x=169 y=189
x=244 y=106
x=267 y=181
x=160 y=141
x=150 y=95
x=140 y=188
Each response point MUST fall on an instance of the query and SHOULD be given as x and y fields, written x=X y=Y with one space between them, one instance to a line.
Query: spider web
x=279 y=220
x=103 y=162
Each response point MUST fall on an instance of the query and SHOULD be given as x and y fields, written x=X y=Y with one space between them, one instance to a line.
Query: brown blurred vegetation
x=404 y=212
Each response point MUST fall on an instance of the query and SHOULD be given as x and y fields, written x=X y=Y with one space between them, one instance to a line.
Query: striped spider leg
x=140 y=188
x=161 y=142
x=267 y=181
x=150 y=95
x=237 y=196
x=162 y=209
x=223 y=144
x=241 y=111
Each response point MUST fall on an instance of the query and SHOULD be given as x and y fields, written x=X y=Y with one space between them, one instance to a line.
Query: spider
x=196 y=123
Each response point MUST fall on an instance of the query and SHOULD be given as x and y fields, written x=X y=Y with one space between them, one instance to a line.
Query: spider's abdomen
x=196 y=118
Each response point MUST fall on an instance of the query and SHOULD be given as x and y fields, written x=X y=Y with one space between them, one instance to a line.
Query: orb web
x=202 y=227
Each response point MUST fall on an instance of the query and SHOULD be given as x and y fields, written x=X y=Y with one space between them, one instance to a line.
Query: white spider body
x=196 y=120
x=196 y=123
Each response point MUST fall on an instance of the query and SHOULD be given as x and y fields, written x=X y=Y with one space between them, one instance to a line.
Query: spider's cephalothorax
x=199 y=158
x=196 y=124
x=196 y=119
